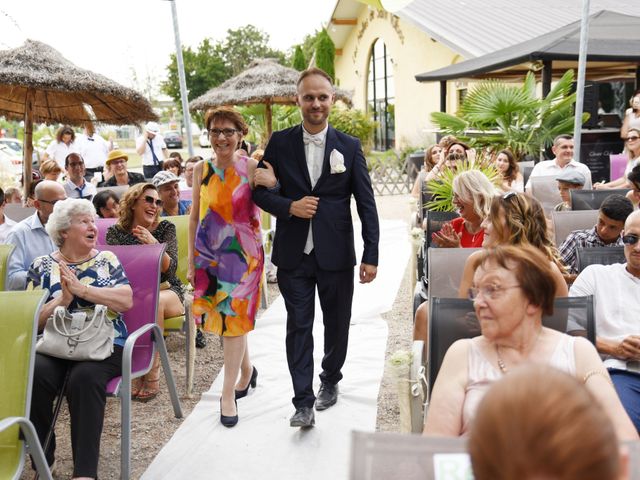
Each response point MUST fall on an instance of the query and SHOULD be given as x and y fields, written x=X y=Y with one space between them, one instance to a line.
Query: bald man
x=616 y=290
x=30 y=237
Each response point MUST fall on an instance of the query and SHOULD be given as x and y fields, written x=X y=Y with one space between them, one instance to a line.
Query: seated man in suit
x=30 y=237
x=318 y=168
x=616 y=290
x=606 y=233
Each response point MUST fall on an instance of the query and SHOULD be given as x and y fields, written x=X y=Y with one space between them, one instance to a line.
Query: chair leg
x=125 y=418
x=31 y=442
x=190 y=347
x=166 y=367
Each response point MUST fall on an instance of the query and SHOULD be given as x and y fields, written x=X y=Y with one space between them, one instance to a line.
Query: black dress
x=165 y=232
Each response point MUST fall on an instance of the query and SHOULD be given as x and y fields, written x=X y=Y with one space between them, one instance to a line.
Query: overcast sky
x=117 y=37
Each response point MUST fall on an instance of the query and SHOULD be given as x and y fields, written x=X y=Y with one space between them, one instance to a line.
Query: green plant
x=354 y=122
x=299 y=62
x=325 y=54
x=507 y=116
x=441 y=188
x=282 y=116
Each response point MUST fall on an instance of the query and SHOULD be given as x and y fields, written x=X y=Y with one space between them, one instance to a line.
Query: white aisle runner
x=263 y=445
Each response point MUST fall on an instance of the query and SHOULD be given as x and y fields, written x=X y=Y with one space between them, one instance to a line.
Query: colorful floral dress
x=228 y=253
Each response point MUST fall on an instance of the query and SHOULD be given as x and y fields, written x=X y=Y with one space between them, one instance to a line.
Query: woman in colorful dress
x=226 y=257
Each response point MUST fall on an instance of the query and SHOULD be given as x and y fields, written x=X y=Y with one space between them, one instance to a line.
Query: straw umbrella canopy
x=264 y=82
x=37 y=84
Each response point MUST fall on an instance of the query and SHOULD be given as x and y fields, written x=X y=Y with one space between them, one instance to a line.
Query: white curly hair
x=64 y=211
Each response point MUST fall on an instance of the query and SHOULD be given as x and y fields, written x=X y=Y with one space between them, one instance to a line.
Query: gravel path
x=153 y=423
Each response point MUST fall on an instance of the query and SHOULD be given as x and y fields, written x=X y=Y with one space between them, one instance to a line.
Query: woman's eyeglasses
x=227 y=132
x=632 y=139
x=150 y=200
x=490 y=292
x=630 y=239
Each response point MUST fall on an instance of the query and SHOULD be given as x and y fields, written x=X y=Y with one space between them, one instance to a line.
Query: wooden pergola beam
x=344 y=21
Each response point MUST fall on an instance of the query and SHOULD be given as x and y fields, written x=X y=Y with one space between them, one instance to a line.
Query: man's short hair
x=564 y=136
x=1 y=197
x=68 y=157
x=313 y=71
x=617 y=207
x=634 y=176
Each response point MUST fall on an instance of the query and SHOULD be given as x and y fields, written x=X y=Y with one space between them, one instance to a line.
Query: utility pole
x=186 y=118
x=582 y=65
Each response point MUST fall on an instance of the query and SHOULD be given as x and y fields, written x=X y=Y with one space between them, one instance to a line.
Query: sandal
x=151 y=382
x=136 y=386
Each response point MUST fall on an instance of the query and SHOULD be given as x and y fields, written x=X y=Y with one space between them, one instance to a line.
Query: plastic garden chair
x=103 y=225
x=5 y=253
x=570 y=220
x=141 y=263
x=184 y=323
x=18 y=328
x=592 y=199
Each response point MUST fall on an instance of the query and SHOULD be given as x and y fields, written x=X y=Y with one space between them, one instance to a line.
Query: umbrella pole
x=267 y=113
x=28 y=141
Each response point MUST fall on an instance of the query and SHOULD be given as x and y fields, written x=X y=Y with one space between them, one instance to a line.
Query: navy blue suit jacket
x=333 y=239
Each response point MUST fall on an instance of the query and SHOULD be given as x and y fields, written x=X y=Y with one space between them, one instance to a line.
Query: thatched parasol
x=265 y=81
x=38 y=84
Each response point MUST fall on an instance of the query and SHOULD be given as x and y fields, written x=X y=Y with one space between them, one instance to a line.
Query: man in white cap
x=151 y=147
x=167 y=184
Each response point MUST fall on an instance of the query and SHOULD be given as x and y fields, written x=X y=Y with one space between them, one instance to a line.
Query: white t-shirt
x=158 y=145
x=94 y=150
x=59 y=151
x=5 y=228
x=549 y=168
x=617 y=309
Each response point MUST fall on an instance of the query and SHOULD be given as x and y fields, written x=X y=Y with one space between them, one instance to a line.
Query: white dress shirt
x=158 y=145
x=59 y=151
x=94 y=150
x=550 y=168
x=315 y=158
x=5 y=228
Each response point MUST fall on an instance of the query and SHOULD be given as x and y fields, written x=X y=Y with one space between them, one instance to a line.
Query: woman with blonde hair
x=472 y=196
x=50 y=170
x=632 y=149
x=139 y=224
x=512 y=288
x=539 y=422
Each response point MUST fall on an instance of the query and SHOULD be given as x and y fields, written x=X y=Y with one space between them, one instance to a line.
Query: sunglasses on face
x=151 y=201
x=632 y=139
x=509 y=195
x=630 y=240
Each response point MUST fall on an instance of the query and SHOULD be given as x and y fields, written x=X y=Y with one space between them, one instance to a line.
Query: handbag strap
x=99 y=313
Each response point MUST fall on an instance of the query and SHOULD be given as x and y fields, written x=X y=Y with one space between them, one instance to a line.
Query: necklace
x=68 y=260
x=501 y=364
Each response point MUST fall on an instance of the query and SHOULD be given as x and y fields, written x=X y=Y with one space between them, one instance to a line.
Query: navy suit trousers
x=335 y=290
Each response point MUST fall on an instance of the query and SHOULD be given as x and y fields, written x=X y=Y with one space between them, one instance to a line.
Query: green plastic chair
x=5 y=253
x=184 y=323
x=18 y=329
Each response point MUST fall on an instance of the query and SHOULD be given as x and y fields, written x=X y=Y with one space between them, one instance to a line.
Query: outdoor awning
x=614 y=53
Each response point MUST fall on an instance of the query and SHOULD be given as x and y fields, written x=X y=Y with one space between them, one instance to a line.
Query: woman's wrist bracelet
x=86 y=291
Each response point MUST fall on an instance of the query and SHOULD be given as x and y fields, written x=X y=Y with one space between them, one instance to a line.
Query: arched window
x=381 y=96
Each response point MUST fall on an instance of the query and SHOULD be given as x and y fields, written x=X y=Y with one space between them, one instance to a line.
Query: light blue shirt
x=31 y=241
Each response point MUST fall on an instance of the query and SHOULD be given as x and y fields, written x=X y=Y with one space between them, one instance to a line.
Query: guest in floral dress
x=226 y=257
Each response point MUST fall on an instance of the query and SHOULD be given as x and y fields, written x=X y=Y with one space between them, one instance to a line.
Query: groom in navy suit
x=318 y=169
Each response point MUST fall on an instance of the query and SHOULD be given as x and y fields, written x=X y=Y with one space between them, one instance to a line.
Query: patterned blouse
x=165 y=232
x=102 y=270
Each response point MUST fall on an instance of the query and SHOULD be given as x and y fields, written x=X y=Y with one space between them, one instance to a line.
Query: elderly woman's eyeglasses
x=227 y=132
x=151 y=201
x=488 y=292
x=630 y=240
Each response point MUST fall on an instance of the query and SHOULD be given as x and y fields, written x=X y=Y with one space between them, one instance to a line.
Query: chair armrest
x=419 y=387
x=32 y=442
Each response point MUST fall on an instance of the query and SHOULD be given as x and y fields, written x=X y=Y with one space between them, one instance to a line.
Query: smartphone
x=97 y=176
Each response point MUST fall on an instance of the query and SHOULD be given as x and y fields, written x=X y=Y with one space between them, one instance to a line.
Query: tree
x=245 y=44
x=506 y=116
x=299 y=62
x=325 y=54
x=204 y=69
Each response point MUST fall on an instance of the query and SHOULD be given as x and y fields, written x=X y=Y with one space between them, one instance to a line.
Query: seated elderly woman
x=78 y=277
x=550 y=424
x=107 y=204
x=512 y=288
x=140 y=224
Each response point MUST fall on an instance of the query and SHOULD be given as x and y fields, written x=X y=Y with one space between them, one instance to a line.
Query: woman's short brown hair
x=65 y=130
x=226 y=113
x=532 y=269
x=539 y=422
x=50 y=167
x=125 y=222
x=172 y=162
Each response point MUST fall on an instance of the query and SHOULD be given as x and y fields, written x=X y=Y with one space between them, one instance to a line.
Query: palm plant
x=441 y=188
x=497 y=115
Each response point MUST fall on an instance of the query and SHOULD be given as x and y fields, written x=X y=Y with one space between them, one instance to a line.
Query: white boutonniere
x=336 y=160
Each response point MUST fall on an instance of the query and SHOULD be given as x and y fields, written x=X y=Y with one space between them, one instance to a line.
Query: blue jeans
x=627 y=384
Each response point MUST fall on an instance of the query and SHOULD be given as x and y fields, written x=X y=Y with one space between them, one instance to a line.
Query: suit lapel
x=298 y=154
x=329 y=145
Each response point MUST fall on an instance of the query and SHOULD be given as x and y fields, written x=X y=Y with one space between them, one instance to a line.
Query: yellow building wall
x=411 y=52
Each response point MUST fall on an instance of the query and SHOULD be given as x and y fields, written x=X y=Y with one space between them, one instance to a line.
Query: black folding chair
x=599 y=256
x=592 y=199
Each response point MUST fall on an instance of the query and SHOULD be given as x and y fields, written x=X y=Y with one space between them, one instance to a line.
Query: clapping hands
x=447 y=237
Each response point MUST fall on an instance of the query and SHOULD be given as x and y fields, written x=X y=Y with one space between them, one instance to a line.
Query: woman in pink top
x=512 y=288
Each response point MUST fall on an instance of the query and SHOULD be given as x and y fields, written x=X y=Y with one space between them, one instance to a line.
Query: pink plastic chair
x=141 y=263
x=103 y=225
x=617 y=165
